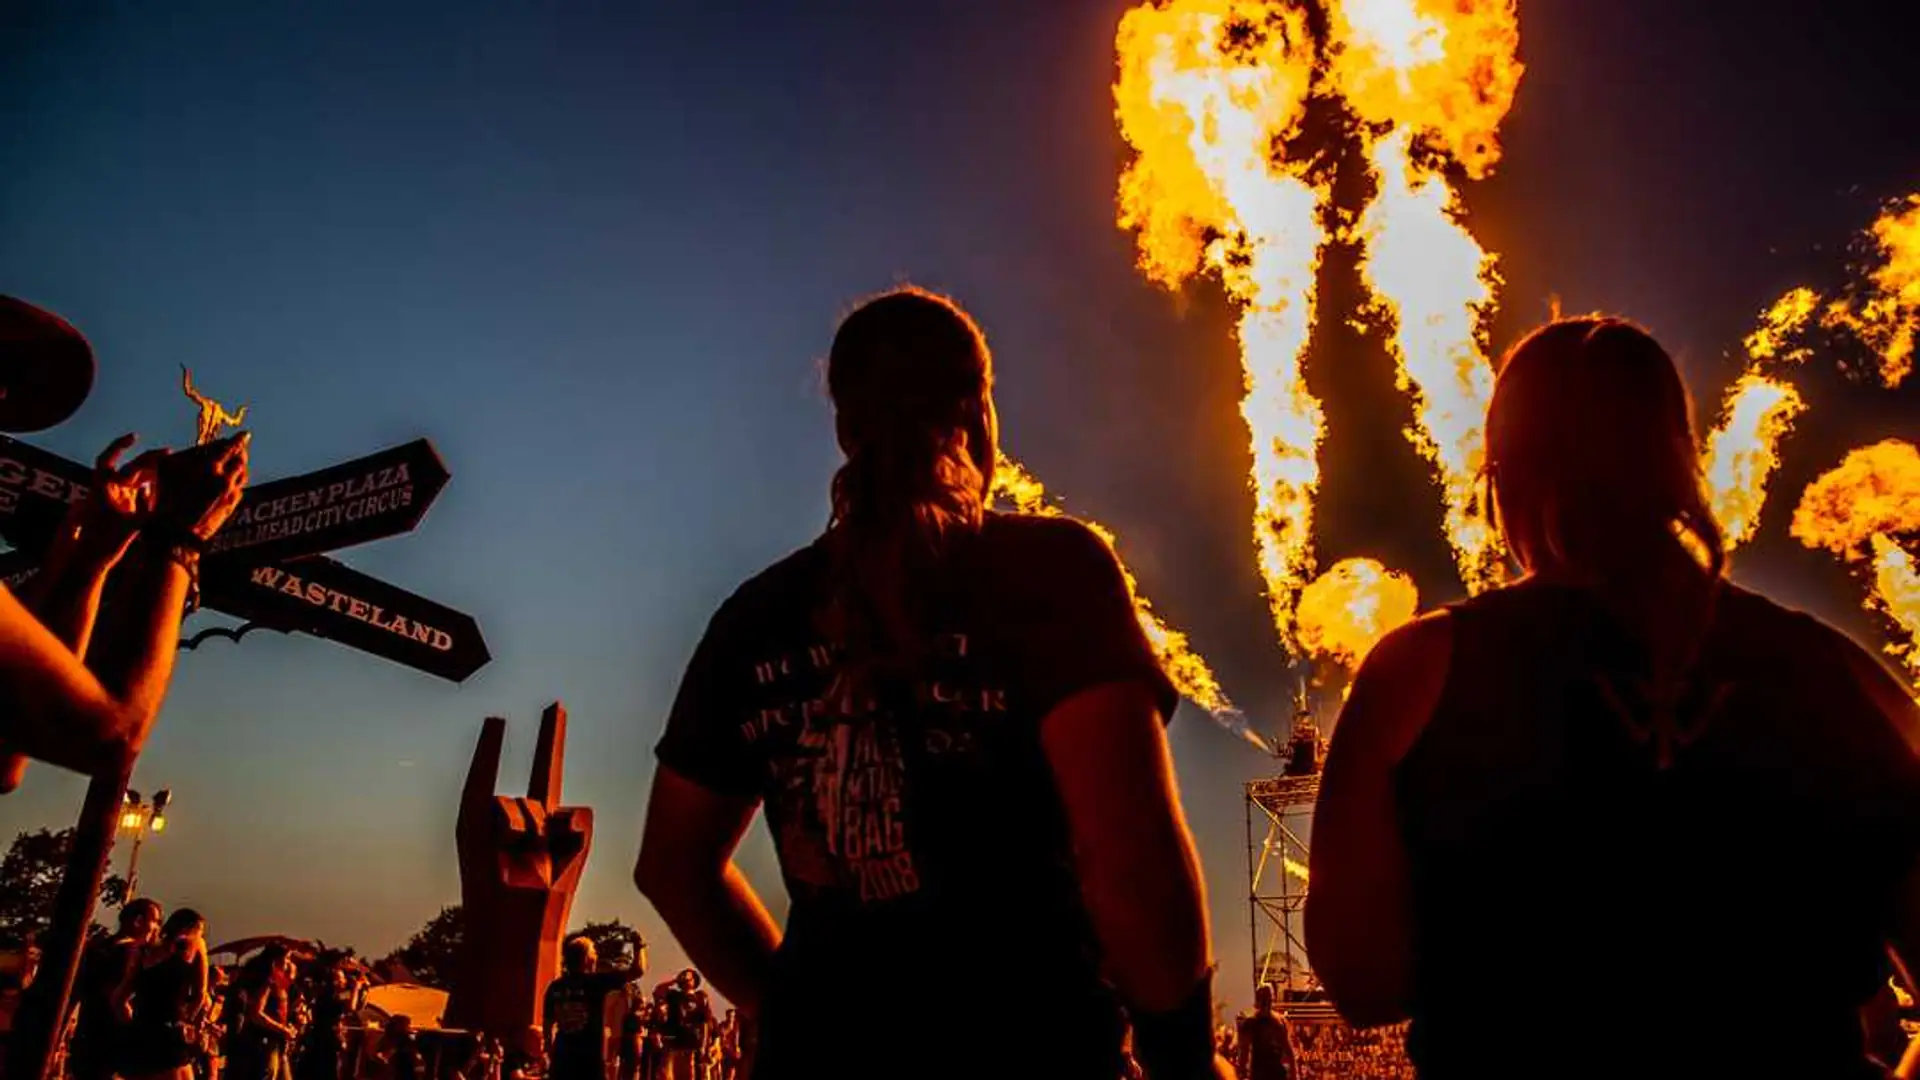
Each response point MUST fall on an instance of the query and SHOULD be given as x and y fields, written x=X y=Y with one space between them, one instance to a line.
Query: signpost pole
x=44 y=1009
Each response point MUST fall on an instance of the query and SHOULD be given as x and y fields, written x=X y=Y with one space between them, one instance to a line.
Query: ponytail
x=911 y=381
x=899 y=503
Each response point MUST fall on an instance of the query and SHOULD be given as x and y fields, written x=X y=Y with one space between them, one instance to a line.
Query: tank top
x=1583 y=909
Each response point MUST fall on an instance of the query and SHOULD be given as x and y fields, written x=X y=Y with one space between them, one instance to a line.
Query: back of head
x=911 y=380
x=1592 y=456
x=136 y=911
x=577 y=956
x=183 y=921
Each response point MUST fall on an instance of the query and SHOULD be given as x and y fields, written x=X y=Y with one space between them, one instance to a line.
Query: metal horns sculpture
x=520 y=862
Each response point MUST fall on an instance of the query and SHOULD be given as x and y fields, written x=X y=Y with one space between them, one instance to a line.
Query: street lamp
x=137 y=819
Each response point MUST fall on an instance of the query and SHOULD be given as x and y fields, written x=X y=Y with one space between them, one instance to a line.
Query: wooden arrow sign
x=35 y=489
x=377 y=496
x=314 y=595
x=328 y=599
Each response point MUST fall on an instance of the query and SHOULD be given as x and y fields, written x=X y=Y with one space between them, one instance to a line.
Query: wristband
x=1178 y=1043
x=188 y=559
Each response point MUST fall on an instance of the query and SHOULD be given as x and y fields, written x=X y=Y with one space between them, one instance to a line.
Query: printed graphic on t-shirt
x=840 y=776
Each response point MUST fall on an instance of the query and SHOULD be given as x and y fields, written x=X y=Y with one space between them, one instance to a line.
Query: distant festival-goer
x=163 y=996
x=1264 y=1041
x=1556 y=819
x=955 y=724
x=576 y=1014
x=97 y=1029
x=263 y=1031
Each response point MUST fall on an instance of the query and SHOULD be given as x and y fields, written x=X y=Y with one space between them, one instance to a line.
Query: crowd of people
x=597 y=1023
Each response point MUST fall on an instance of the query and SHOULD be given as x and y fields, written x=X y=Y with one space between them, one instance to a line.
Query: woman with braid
x=955 y=726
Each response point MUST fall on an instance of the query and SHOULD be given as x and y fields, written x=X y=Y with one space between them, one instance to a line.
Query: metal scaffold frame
x=1279 y=816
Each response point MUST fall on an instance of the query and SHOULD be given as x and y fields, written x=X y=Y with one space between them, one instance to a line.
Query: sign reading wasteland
x=268 y=565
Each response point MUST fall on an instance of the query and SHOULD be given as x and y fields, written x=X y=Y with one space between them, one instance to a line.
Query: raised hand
x=200 y=499
x=121 y=501
x=520 y=863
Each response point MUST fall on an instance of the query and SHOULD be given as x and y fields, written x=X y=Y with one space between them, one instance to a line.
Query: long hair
x=1592 y=458
x=911 y=381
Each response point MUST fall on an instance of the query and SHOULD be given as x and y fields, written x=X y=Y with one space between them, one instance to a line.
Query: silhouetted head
x=1263 y=997
x=184 y=923
x=578 y=956
x=689 y=980
x=140 y=919
x=1591 y=455
x=912 y=386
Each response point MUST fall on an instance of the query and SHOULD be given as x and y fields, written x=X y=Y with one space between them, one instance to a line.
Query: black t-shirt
x=1268 y=1044
x=923 y=844
x=102 y=966
x=685 y=1017
x=576 y=1008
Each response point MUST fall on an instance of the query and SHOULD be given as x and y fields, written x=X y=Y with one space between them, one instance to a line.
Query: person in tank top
x=1570 y=826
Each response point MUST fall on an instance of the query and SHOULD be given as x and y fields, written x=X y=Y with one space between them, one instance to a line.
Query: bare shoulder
x=1399 y=685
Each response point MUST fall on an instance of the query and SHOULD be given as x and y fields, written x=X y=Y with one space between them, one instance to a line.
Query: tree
x=616 y=943
x=432 y=954
x=30 y=879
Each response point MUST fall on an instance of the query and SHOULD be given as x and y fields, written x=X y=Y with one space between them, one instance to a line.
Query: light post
x=137 y=819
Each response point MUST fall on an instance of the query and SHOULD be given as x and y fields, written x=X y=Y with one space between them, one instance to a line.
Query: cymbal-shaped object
x=46 y=367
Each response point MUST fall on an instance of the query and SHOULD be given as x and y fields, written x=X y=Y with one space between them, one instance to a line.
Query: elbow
x=659 y=877
x=1363 y=981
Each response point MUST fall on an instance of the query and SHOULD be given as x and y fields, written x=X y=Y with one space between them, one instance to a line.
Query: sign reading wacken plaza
x=263 y=565
x=375 y=497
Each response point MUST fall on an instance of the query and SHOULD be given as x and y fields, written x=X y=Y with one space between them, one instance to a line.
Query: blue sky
x=594 y=252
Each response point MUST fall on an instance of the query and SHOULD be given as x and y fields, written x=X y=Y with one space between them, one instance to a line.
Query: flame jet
x=1190 y=673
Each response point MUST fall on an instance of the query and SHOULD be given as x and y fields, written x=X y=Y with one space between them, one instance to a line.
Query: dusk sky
x=595 y=251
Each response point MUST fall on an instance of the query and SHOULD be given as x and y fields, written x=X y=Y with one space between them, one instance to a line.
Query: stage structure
x=1279 y=826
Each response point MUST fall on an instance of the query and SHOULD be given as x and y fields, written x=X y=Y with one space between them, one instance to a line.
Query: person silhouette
x=1571 y=803
x=956 y=726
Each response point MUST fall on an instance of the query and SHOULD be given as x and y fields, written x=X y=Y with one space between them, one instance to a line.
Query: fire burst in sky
x=1211 y=94
x=1863 y=505
x=1215 y=96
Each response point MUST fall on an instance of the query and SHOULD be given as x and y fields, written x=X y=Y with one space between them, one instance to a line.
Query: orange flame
x=1859 y=507
x=1346 y=610
x=1431 y=278
x=1887 y=316
x=1781 y=324
x=1444 y=69
x=1206 y=90
x=1190 y=673
x=1742 y=451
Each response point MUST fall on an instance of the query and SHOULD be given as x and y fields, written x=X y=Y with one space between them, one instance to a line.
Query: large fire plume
x=1881 y=309
x=1857 y=510
x=1885 y=311
x=1433 y=283
x=1210 y=93
x=1743 y=450
x=1352 y=606
x=1207 y=89
x=1191 y=674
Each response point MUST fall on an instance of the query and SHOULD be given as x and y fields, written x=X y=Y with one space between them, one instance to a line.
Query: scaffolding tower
x=1279 y=824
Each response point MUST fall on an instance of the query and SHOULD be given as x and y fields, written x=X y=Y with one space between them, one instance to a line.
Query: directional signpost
x=263 y=566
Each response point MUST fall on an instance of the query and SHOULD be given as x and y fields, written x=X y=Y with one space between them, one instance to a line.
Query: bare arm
x=686 y=870
x=65 y=714
x=62 y=712
x=1138 y=868
x=1358 y=918
x=257 y=1014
